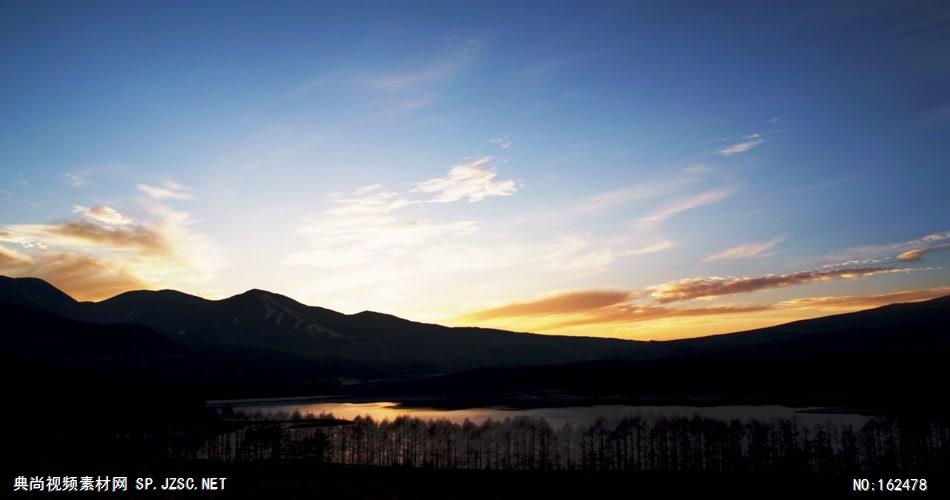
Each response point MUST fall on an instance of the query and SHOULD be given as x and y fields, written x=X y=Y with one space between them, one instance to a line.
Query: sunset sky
x=644 y=171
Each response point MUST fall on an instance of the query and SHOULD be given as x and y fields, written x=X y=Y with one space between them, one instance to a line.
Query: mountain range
x=263 y=343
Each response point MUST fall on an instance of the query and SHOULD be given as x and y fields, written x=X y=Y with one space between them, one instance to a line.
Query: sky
x=642 y=170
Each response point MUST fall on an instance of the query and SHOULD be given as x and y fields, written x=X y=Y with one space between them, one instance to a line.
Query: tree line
x=883 y=445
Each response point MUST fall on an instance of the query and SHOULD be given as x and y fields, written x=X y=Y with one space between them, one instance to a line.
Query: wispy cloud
x=742 y=147
x=504 y=142
x=659 y=246
x=169 y=190
x=636 y=313
x=850 y=302
x=474 y=180
x=7 y=197
x=457 y=55
x=82 y=177
x=561 y=303
x=911 y=250
x=597 y=307
x=655 y=188
x=397 y=89
x=680 y=206
x=917 y=254
x=591 y=307
x=77 y=179
x=718 y=286
x=748 y=250
x=364 y=227
x=11 y=259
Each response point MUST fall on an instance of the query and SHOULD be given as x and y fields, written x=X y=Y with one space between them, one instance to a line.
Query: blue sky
x=445 y=161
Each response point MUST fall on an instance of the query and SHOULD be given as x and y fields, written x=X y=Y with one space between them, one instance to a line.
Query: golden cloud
x=81 y=276
x=10 y=259
x=564 y=303
x=104 y=214
x=632 y=313
x=106 y=253
x=593 y=308
x=135 y=236
x=917 y=254
x=696 y=288
x=865 y=301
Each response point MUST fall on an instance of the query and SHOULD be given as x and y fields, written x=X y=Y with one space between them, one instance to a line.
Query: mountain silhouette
x=883 y=358
x=42 y=296
x=264 y=343
x=265 y=320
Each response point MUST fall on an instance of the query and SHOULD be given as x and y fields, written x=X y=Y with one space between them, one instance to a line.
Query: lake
x=556 y=416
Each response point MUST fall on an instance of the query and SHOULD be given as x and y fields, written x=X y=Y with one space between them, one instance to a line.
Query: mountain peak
x=42 y=296
x=35 y=286
x=258 y=294
x=165 y=292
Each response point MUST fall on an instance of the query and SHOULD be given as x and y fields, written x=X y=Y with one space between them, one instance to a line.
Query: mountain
x=264 y=343
x=40 y=295
x=886 y=357
x=47 y=354
x=271 y=321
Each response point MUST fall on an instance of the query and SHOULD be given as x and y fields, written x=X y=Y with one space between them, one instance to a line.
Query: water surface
x=557 y=416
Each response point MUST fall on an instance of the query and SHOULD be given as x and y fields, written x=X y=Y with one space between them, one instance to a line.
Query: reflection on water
x=576 y=415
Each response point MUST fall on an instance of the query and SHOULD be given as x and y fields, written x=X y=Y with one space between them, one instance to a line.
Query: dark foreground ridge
x=121 y=385
x=263 y=344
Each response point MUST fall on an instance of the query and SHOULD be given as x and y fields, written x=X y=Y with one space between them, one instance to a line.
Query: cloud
x=88 y=233
x=562 y=303
x=590 y=307
x=502 y=142
x=474 y=180
x=741 y=147
x=11 y=259
x=363 y=229
x=917 y=254
x=597 y=307
x=748 y=250
x=659 y=246
x=678 y=207
x=395 y=90
x=457 y=55
x=103 y=214
x=77 y=179
x=698 y=288
x=82 y=177
x=678 y=181
x=635 y=313
x=873 y=254
x=573 y=252
x=136 y=236
x=851 y=302
x=167 y=191
x=107 y=252
x=83 y=277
